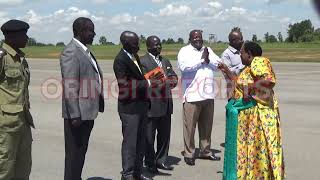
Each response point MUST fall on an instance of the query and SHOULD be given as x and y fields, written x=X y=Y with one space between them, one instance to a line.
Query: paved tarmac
x=298 y=89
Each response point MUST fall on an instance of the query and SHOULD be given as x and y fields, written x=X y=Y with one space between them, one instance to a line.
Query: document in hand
x=156 y=72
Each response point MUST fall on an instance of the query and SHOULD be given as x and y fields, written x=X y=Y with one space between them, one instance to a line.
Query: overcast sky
x=51 y=20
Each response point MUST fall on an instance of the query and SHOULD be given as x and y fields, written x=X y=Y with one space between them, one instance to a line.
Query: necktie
x=93 y=60
x=157 y=59
x=136 y=59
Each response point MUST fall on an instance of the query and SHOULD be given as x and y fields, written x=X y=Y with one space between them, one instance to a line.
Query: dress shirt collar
x=130 y=55
x=233 y=50
x=81 y=45
x=195 y=49
x=155 y=57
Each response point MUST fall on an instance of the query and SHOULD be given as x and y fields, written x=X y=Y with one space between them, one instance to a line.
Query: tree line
x=163 y=41
x=302 y=31
x=103 y=41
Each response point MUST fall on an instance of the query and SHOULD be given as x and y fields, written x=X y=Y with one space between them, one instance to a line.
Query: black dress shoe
x=130 y=177
x=142 y=177
x=164 y=167
x=189 y=161
x=152 y=169
x=211 y=157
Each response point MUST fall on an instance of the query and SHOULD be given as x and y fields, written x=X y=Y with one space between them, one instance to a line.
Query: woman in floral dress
x=253 y=149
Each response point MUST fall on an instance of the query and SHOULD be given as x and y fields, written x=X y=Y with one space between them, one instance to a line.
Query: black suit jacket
x=133 y=87
x=161 y=97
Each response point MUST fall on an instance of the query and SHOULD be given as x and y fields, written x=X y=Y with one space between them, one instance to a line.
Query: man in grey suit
x=161 y=109
x=82 y=96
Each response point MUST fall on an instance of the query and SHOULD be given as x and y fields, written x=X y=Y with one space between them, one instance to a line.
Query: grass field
x=290 y=52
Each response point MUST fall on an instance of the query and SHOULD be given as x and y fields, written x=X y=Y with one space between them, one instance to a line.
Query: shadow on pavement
x=98 y=178
x=172 y=160
x=223 y=145
x=214 y=151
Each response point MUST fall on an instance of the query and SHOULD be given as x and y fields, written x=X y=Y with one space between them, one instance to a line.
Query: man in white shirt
x=197 y=64
x=231 y=56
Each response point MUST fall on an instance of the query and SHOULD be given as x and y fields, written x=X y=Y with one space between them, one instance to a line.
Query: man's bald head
x=195 y=38
x=130 y=41
x=154 y=45
x=126 y=35
x=236 y=39
x=193 y=32
x=152 y=39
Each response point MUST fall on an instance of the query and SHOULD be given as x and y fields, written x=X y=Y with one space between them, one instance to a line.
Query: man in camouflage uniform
x=15 y=118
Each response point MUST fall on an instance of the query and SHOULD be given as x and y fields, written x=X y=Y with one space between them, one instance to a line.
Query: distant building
x=212 y=39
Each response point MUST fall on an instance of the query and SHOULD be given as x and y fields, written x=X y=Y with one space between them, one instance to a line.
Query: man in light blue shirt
x=231 y=56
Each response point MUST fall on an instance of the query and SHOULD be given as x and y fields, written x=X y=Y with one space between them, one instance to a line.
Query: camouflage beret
x=14 y=26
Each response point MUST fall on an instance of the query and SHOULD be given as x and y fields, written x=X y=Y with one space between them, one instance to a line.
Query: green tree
x=41 y=44
x=308 y=37
x=142 y=39
x=60 y=44
x=299 y=31
x=110 y=43
x=280 y=38
x=254 y=38
x=316 y=34
x=266 y=37
x=170 y=41
x=31 y=42
x=103 y=40
x=272 y=39
x=180 y=41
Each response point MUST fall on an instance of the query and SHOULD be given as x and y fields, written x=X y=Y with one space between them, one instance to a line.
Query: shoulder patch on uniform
x=2 y=53
x=2 y=63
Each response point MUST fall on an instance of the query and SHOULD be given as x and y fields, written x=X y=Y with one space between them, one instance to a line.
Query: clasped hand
x=157 y=80
x=205 y=56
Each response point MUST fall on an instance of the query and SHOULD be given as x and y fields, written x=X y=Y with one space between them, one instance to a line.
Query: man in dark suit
x=82 y=96
x=161 y=107
x=133 y=105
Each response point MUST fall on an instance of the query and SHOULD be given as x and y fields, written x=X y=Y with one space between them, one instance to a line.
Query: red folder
x=155 y=72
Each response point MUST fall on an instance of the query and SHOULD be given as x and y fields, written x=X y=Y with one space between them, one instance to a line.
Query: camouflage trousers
x=15 y=154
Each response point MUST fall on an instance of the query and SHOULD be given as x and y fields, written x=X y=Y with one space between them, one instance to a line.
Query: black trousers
x=163 y=127
x=76 y=145
x=133 y=144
